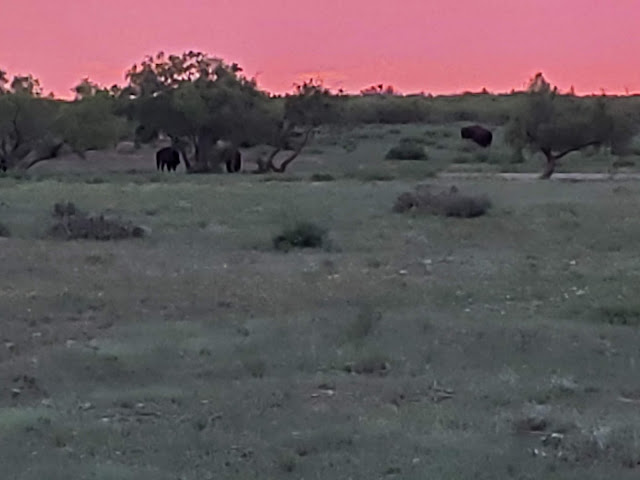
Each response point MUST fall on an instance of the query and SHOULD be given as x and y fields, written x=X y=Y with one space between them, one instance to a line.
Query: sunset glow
x=435 y=46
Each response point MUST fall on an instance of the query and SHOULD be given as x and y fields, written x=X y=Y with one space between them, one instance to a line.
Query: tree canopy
x=34 y=128
x=197 y=100
x=557 y=125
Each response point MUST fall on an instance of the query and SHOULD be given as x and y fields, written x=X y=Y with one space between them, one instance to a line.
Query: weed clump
x=407 y=150
x=322 y=177
x=301 y=235
x=449 y=203
x=73 y=224
x=626 y=315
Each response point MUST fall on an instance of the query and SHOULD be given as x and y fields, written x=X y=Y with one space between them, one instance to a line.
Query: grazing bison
x=234 y=161
x=167 y=157
x=229 y=155
x=478 y=134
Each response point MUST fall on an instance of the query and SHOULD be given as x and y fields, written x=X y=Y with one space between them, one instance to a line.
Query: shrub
x=407 y=151
x=73 y=224
x=623 y=163
x=322 y=177
x=449 y=203
x=301 y=235
x=628 y=315
x=4 y=231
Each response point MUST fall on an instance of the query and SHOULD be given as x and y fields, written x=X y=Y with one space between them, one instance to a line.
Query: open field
x=412 y=346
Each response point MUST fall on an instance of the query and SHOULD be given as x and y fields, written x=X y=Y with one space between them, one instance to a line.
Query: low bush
x=72 y=224
x=449 y=203
x=407 y=151
x=301 y=235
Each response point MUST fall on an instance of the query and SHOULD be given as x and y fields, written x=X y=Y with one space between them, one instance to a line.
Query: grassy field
x=411 y=346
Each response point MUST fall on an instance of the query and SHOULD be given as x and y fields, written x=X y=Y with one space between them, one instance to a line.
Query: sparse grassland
x=417 y=346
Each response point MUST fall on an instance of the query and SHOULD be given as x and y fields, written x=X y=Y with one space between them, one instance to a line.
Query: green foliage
x=311 y=105
x=301 y=235
x=90 y=123
x=33 y=128
x=197 y=99
x=25 y=121
x=387 y=109
x=546 y=120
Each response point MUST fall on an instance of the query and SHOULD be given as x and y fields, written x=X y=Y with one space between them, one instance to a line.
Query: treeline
x=197 y=100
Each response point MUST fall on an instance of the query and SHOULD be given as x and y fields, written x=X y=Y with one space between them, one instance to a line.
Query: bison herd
x=169 y=157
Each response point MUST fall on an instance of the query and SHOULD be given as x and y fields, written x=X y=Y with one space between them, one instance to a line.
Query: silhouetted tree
x=557 y=125
x=35 y=128
x=309 y=107
x=197 y=100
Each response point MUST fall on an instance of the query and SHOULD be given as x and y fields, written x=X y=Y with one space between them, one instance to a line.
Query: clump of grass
x=322 y=177
x=364 y=323
x=95 y=180
x=615 y=445
x=413 y=139
x=372 y=362
x=301 y=235
x=623 y=163
x=462 y=159
x=628 y=315
x=481 y=157
x=73 y=224
x=449 y=203
x=287 y=461
x=371 y=176
x=407 y=151
x=255 y=365
x=4 y=231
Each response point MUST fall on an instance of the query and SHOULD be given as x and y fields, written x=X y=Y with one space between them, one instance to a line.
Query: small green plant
x=407 y=151
x=301 y=235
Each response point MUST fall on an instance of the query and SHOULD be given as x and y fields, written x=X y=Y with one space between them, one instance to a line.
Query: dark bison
x=478 y=134
x=234 y=161
x=167 y=157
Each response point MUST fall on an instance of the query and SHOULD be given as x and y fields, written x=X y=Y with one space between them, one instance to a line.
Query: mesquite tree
x=309 y=107
x=198 y=100
x=34 y=128
x=557 y=125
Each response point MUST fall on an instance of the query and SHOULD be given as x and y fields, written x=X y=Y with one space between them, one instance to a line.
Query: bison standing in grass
x=167 y=157
x=478 y=134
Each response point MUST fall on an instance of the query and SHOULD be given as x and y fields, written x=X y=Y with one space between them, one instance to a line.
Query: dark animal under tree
x=478 y=134
x=234 y=162
x=167 y=157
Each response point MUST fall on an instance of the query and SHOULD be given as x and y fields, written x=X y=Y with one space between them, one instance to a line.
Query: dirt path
x=577 y=177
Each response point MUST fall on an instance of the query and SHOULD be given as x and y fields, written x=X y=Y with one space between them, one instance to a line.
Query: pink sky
x=437 y=46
